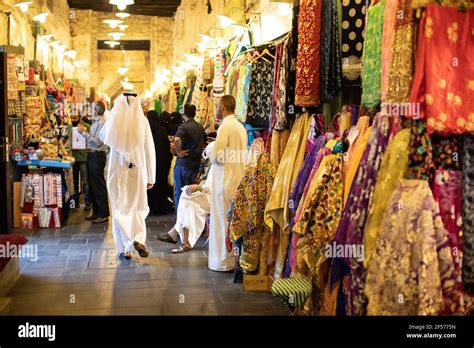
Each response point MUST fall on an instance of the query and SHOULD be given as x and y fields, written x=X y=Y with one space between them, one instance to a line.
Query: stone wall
x=100 y=68
x=57 y=23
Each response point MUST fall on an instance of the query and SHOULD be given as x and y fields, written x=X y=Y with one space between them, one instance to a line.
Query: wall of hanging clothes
x=373 y=212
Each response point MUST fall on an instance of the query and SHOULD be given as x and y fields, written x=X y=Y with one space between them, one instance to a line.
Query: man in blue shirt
x=189 y=141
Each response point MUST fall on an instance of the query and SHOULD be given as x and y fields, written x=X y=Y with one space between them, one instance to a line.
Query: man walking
x=96 y=160
x=189 y=141
x=230 y=153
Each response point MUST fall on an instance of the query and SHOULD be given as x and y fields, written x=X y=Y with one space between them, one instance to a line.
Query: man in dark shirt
x=189 y=141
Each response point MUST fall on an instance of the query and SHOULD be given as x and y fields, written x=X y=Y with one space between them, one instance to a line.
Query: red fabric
x=308 y=56
x=444 y=77
x=11 y=239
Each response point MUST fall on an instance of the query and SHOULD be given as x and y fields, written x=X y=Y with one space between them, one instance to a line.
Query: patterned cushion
x=293 y=291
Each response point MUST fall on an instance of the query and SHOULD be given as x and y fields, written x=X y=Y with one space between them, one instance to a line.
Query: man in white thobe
x=228 y=168
x=131 y=171
x=193 y=208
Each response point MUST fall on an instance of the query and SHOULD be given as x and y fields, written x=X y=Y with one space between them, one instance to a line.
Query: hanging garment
x=372 y=56
x=230 y=152
x=242 y=99
x=260 y=94
x=277 y=207
x=447 y=192
x=249 y=212
x=355 y=136
x=352 y=38
x=389 y=20
x=131 y=166
x=468 y=212
x=421 y=152
x=397 y=57
x=280 y=112
x=278 y=145
x=446 y=154
x=444 y=76
x=414 y=268
x=393 y=168
x=308 y=59
x=350 y=231
x=331 y=78
x=321 y=213
x=358 y=150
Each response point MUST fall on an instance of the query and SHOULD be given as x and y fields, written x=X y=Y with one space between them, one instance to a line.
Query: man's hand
x=81 y=128
x=149 y=186
x=191 y=189
x=183 y=153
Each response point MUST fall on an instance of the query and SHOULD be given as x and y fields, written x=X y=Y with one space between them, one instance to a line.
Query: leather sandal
x=182 y=249
x=141 y=249
x=165 y=237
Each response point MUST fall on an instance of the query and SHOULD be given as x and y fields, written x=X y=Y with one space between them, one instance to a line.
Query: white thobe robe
x=193 y=210
x=228 y=169
x=128 y=134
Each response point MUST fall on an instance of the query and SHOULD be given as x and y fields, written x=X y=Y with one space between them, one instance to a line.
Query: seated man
x=194 y=206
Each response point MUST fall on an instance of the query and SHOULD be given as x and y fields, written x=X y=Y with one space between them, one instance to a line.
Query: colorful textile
x=278 y=145
x=249 y=211
x=393 y=168
x=308 y=59
x=421 y=152
x=260 y=94
x=398 y=73
x=414 y=268
x=351 y=227
x=389 y=20
x=242 y=99
x=321 y=214
x=372 y=56
x=279 y=110
x=331 y=72
x=352 y=38
x=444 y=77
x=468 y=212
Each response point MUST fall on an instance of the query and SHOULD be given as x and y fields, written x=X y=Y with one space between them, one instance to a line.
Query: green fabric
x=293 y=291
x=372 y=56
x=158 y=106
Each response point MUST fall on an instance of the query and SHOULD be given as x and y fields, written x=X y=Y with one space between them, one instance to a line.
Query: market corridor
x=78 y=273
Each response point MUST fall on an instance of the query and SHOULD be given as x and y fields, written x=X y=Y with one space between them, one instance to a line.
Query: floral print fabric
x=249 y=211
x=414 y=272
x=468 y=211
x=372 y=55
x=444 y=75
x=260 y=94
x=308 y=57
x=242 y=99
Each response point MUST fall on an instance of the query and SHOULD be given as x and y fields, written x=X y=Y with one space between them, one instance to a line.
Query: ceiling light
x=41 y=17
x=166 y=72
x=78 y=63
x=121 y=4
x=122 y=27
x=72 y=54
x=122 y=71
x=61 y=47
x=113 y=23
x=45 y=37
x=122 y=15
x=225 y=21
x=23 y=5
x=206 y=38
x=240 y=29
x=112 y=43
x=55 y=43
x=116 y=36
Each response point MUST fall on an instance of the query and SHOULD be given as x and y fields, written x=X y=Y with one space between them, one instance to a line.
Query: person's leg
x=92 y=184
x=178 y=184
x=75 y=175
x=85 y=182
x=100 y=189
